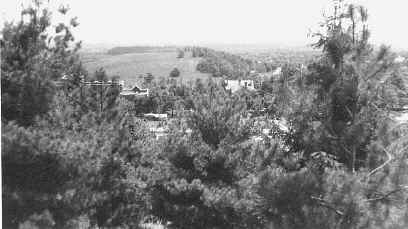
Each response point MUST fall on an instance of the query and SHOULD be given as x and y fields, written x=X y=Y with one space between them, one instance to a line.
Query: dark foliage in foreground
x=80 y=154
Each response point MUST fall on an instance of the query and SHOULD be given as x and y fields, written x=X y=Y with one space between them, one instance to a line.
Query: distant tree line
x=219 y=63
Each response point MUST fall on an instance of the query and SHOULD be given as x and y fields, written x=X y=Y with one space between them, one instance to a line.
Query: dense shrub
x=30 y=64
x=222 y=64
x=83 y=155
x=175 y=72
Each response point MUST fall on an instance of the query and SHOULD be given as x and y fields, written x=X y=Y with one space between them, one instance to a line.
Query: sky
x=195 y=22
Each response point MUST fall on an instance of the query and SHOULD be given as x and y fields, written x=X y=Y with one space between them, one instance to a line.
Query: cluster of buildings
x=125 y=91
x=132 y=90
x=158 y=123
x=250 y=84
x=236 y=85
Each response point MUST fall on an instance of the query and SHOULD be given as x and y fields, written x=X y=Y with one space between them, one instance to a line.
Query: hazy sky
x=217 y=21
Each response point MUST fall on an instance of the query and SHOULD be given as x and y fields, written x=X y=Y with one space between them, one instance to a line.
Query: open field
x=130 y=66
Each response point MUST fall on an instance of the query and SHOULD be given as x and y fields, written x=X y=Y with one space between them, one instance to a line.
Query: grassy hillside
x=130 y=66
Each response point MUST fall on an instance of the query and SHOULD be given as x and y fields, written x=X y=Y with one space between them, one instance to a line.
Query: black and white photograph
x=204 y=114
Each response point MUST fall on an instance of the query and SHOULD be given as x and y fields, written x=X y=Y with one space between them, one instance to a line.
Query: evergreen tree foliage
x=79 y=153
x=175 y=72
x=32 y=60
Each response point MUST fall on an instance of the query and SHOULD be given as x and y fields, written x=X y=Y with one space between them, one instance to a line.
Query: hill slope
x=131 y=65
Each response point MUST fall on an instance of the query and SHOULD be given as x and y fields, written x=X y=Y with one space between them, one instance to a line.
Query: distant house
x=159 y=131
x=156 y=117
x=157 y=127
x=282 y=125
x=399 y=59
x=132 y=91
x=277 y=71
x=235 y=85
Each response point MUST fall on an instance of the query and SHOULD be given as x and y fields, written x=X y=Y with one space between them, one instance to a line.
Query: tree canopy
x=314 y=148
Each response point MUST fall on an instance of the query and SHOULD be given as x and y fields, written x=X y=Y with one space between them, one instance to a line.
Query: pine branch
x=324 y=203
x=390 y=158
x=386 y=195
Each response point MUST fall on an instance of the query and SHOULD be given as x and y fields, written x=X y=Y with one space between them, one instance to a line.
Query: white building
x=155 y=116
x=235 y=85
x=399 y=59
x=133 y=91
x=277 y=71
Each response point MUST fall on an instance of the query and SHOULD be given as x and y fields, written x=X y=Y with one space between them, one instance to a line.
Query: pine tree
x=175 y=72
x=31 y=61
